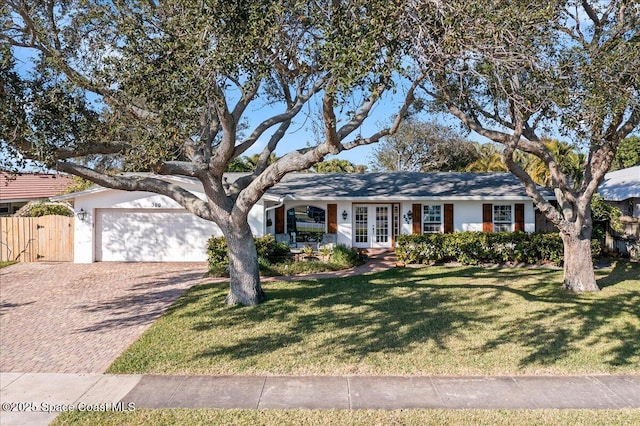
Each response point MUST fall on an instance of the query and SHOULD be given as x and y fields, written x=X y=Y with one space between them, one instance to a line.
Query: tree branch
x=91 y=149
x=291 y=112
x=182 y=168
x=305 y=158
x=148 y=184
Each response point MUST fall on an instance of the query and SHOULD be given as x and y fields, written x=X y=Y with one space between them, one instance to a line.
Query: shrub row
x=473 y=248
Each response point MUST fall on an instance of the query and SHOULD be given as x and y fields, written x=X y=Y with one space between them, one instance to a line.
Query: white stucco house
x=359 y=210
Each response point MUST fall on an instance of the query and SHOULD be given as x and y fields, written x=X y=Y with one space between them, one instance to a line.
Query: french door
x=371 y=225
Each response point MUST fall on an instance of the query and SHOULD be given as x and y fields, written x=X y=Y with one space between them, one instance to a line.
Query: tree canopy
x=337 y=165
x=170 y=88
x=628 y=154
x=516 y=71
x=423 y=146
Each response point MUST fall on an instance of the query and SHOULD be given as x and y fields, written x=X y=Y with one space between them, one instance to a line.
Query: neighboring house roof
x=31 y=186
x=621 y=184
x=401 y=185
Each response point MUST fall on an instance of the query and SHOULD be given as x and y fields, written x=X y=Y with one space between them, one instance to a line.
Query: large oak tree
x=184 y=88
x=516 y=71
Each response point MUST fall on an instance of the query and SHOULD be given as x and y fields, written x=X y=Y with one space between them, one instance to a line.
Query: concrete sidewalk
x=39 y=392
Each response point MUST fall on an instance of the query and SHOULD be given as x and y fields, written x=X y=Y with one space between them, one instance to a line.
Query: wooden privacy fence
x=33 y=239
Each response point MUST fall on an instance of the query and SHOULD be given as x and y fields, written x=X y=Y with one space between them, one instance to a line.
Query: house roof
x=401 y=186
x=621 y=184
x=381 y=186
x=31 y=186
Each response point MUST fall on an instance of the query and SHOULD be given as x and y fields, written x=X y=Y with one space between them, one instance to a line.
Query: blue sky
x=301 y=133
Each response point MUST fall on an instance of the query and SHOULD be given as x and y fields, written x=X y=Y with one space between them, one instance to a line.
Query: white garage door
x=151 y=236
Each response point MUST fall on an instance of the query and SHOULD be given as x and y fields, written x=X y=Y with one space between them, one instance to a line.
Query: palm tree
x=570 y=160
x=490 y=159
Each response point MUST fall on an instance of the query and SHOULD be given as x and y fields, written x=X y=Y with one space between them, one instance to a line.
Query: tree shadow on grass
x=621 y=270
x=393 y=311
x=570 y=322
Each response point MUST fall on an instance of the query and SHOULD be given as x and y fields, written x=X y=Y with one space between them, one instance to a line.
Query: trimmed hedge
x=473 y=248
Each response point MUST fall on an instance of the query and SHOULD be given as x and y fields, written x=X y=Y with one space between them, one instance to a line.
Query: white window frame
x=503 y=225
x=438 y=224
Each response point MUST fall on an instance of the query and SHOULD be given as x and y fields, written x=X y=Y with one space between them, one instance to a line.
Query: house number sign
x=156 y=205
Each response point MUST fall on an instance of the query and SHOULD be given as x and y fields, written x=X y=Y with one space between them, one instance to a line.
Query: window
x=396 y=220
x=308 y=223
x=431 y=219
x=361 y=222
x=502 y=219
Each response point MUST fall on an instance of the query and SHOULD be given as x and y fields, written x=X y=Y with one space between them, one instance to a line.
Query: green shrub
x=289 y=267
x=273 y=259
x=218 y=256
x=45 y=209
x=218 y=253
x=267 y=247
x=346 y=257
x=473 y=248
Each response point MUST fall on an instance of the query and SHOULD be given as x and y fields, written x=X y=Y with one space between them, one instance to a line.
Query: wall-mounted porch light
x=408 y=217
x=82 y=215
x=345 y=215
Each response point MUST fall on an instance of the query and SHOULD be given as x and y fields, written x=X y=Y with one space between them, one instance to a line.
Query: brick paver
x=77 y=318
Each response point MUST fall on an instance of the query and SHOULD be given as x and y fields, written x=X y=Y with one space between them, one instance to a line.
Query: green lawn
x=5 y=263
x=427 y=321
x=358 y=417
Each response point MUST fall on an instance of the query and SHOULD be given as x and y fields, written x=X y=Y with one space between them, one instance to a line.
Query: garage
x=150 y=235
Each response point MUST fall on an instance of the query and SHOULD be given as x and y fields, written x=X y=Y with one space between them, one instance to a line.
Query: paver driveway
x=69 y=318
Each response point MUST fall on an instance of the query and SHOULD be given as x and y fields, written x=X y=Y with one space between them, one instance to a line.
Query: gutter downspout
x=266 y=211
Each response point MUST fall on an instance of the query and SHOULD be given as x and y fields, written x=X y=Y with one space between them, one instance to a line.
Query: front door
x=372 y=225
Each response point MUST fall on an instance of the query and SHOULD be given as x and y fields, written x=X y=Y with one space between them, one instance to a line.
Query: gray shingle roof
x=621 y=184
x=400 y=185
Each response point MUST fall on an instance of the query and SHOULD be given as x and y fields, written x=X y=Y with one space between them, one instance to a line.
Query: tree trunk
x=578 y=266
x=244 y=273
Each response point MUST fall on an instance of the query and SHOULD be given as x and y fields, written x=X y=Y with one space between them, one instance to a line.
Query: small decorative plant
x=308 y=251
x=326 y=252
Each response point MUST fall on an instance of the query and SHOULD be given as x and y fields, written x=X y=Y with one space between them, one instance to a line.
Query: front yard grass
x=357 y=417
x=437 y=320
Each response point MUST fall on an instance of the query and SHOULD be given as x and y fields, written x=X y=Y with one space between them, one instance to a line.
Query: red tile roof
x=31 y=186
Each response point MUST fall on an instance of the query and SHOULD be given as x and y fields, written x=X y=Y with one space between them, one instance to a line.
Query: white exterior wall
x=467 y=214
x=256 y=219
x=269 y=213
x=405 y=208
x=345 y=227
x=529 y=217
x=85 y=231
x=84 y=241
